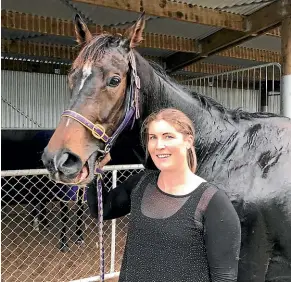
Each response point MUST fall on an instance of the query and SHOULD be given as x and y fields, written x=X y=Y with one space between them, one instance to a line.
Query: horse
x=35 y=192
x=248 y=155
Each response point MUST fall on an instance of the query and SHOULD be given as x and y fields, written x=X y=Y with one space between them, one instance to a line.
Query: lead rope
x=99 y=172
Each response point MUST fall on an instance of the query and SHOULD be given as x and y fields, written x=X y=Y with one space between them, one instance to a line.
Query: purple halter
x=98 y=131
x=132 y=107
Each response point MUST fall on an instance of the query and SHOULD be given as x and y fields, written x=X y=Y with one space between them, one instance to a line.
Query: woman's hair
x=181 y=123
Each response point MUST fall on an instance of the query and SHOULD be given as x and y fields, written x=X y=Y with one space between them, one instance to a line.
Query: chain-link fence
x=48 y=233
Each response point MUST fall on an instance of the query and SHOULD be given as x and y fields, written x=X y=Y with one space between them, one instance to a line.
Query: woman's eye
x=169 y=137
x=113 y=81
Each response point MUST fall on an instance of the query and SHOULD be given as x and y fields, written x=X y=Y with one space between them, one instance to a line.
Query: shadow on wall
x=22 y=149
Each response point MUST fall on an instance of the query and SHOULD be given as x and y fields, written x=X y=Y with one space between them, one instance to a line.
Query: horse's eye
x=113 y=81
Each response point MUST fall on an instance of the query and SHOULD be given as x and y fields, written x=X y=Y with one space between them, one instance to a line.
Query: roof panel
x=242 y=7
x=179 y=28
x=48 y=8
x=106 y=16
x=154 y=52
x=264 y=42
x=215 y=59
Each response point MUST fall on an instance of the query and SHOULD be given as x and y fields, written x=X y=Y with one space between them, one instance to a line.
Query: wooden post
x=286 y=67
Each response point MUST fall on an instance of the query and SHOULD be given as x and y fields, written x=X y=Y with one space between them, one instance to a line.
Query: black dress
x=167 y=240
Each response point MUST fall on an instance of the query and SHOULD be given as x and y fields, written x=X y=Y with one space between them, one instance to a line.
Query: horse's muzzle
x=63 y=163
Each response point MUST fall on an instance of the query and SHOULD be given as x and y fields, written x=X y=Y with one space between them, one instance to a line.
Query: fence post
x=113 y=225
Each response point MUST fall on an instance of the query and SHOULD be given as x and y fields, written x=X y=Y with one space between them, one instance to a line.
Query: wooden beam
x=255 y=24
x=41 y=67
x=274 y=32
x=68 y=53
x=176 y=11
x=208 y=46
x=268 y=17
x=286 y=68
x=251 y=54
x=64 y=52
x=54 y=26
x=39 y=50
x=34 y=66
x=208 y=68
x=286 y=47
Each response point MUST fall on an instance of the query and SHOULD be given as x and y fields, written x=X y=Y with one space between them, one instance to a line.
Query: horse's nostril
x=69 y=164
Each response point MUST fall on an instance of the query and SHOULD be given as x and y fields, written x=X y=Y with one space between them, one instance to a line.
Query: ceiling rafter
x=69 y=53
x=175 y=10
x=53 y=26
x=256 y=24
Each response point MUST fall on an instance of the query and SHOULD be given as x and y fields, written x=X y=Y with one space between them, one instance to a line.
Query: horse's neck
x=157 y=93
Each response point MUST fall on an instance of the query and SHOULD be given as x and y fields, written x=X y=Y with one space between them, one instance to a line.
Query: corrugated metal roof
x=179 y=28
x=106 y=16
x=67 y=10
x=154 y=52
x=264 y=42
x=242 y=7
x=48 y=8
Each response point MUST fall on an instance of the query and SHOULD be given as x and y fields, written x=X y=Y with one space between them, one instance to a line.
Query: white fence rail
x=253 y=89
x=37 y=217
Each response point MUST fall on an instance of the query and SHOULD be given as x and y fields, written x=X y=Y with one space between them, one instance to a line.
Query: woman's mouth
x=163 y=156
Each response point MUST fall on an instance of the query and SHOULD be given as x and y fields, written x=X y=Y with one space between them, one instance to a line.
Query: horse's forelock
x=94 y=50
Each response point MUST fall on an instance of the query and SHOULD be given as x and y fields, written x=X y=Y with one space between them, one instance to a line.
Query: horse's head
x=101 y=84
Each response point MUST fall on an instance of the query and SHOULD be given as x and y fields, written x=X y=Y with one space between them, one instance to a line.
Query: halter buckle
x=96 y=134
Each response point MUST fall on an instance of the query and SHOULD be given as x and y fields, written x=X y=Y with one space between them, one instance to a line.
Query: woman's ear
x=189 y=141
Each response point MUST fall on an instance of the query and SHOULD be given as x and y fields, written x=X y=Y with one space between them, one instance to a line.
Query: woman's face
x=167 y=147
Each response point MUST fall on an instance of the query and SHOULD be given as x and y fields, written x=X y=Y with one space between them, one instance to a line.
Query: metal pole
x=113 y=225
x=286 y=67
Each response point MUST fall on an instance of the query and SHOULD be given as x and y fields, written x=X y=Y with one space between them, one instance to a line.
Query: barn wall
x=248 y=100
x=32 y=100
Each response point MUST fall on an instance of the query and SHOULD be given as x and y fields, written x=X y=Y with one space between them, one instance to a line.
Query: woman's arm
x=222 y=238
x=116 y=202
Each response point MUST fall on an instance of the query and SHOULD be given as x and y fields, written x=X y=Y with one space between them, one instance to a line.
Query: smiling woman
x=181 y=228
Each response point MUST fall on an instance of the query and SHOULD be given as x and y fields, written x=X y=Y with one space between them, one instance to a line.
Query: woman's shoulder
x=217 y=196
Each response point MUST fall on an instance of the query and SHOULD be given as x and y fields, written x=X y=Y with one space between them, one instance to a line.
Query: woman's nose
x=160 y=144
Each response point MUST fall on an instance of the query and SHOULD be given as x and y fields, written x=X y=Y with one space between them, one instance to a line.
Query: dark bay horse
x=246 y=154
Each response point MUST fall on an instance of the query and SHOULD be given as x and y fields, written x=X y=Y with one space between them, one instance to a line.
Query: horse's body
x=247 y=155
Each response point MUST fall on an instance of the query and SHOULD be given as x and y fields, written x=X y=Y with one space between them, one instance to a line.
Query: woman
x=181 y=227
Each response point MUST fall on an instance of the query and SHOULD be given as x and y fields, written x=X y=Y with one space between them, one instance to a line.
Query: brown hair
x=181 y=123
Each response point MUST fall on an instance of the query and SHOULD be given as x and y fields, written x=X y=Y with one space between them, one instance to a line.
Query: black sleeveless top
x=168 y=240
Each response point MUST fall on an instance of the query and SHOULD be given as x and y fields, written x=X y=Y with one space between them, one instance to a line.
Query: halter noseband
x=132 y=107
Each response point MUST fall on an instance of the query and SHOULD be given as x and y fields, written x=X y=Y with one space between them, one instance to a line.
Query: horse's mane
x=96 y=48
x=208 y=102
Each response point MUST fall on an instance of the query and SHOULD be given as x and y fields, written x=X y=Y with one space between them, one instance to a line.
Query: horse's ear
x=134 y=33
x=83 y=34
